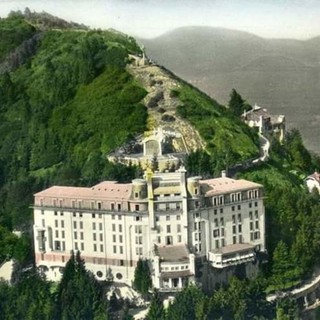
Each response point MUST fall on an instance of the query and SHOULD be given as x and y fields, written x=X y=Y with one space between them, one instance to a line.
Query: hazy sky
x=298 y=19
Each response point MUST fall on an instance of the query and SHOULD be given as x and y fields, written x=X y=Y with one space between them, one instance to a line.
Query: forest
x=66 y=101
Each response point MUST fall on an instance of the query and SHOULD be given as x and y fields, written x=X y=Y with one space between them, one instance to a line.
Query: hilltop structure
x=189 y=229
x=266 y=123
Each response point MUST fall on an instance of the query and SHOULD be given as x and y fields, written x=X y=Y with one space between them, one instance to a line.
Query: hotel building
x=189 y=229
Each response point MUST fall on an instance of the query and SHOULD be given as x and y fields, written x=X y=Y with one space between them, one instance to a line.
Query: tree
x=156 y=309
x=236 y=104
x=80 y=296
x=142 y=277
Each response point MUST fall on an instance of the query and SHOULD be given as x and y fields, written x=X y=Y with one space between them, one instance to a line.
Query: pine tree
x=236 y=104
x=142 y=277
x=156 y=309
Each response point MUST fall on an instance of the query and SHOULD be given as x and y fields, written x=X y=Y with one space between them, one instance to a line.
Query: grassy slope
x=222 y=132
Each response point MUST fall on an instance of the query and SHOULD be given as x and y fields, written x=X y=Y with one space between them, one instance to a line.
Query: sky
x=297 y=19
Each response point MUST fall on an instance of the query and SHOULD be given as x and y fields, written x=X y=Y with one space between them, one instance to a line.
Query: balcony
x=232 y=255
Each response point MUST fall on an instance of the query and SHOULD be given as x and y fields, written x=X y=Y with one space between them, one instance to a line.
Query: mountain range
x=282 y=75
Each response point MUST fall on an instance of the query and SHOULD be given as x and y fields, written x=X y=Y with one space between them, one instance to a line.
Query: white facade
x=166 y=218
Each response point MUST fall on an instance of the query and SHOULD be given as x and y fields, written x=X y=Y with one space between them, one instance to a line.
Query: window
x=57 y=245
x=99 y=205
x=138 y=229
x=196 y=191
x=82 y=246
x=251 y=225
x=195 y=226
x=121 y=249
x=217 y=244
x=222 y=243
x=119 y=217
x=256 y=214
x=234 y=229
x=80 y=214
x=178 y=217
x=76 y=246
x=94 y=247
x=42 y=211
x=56 y=223
x=75 y=224
x=168 y=228
x=233 y=218
x=136 y=194
x=101 y=236
x=221 y=210
x=93 y=215
x=113 y=216
x=222 y=232
x=92 y=205
x=113 y=227
x=216 y=233
x=57 y=234
x=179 y=238
x=93 y=226
x=256 y=204
x=75 y=235
x=81 y=235
x=119 y=206
x=221 y=221
x=94 y=237
x=215 y=211
x=74 y=214
x=100 y=226
x=216 y=222
x=73 y=203
x=62 y=224
x=79 y=204
x=114 y=238
x=112 y=206
x=120 y=239
x=159 y=239
x=81 y=224
x=120 y=227
x=239 y=207
x=137 y=207
x=240 y=228
x=239 y=217
x=137 y=218
x=62 y=234
x=250 y=204
x=232 y=208
x=240 y=238
x=234 y=239
x=179 y=228
x=250 y=215
x=43 y=223
x=114 y=249
x=251 y=236
x=61 y=213
x=257 y=224
x=167 y=218
x=101 y=247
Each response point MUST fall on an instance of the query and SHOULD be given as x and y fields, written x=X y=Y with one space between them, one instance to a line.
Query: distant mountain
x=280 y=74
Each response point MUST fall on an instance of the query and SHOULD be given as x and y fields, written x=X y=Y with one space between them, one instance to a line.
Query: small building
x=313 y=181
x=165 y=146
x=260 y=118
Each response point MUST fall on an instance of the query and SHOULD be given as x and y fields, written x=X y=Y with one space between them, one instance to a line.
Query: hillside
x=279 y=74
x=75 y=97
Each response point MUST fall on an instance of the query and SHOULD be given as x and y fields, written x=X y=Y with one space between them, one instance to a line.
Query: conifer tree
x=156 y=309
